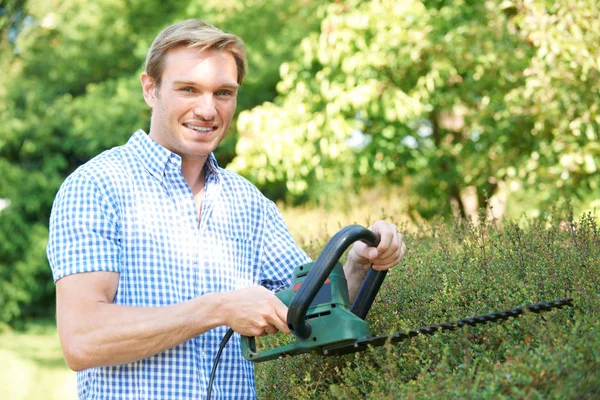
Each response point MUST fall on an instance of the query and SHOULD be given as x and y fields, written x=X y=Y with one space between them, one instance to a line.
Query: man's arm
x=387 y=254
x=95 y=332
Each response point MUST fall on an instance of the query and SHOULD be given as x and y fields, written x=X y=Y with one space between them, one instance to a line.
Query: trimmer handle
x=320 y=271
x=367 y=292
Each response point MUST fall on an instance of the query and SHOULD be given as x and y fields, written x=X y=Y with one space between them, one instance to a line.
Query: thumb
x=363 y=253
x=372 y=253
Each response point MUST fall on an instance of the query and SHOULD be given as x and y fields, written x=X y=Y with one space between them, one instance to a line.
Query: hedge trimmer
x=323 y=321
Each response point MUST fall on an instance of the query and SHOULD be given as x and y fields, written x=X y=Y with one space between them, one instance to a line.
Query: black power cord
x=216 y=362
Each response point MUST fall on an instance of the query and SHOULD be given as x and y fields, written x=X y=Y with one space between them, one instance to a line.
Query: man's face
x=195 y=103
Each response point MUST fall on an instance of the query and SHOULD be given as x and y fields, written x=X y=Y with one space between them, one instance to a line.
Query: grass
x=32 y=365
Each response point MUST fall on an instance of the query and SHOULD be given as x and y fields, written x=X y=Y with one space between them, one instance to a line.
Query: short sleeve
x=84 y=229
x=280 y=253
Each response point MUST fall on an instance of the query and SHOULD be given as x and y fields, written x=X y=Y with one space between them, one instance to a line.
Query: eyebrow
x=233 y=86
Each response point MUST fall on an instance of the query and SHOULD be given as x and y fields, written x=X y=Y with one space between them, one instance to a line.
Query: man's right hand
x=254 y=311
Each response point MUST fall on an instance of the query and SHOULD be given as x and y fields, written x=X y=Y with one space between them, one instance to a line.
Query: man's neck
x=193 y=173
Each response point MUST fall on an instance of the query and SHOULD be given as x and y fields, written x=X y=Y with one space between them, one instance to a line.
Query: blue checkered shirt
x=129 y=210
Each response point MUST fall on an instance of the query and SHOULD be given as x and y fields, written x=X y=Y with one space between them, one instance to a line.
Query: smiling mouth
x=201 y=129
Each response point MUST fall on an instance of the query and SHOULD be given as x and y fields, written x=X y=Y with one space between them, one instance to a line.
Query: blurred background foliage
x=454 y=100
x=451 y=104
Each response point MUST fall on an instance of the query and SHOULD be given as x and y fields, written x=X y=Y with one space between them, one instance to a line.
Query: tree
x=12 y=14
x=447 y=98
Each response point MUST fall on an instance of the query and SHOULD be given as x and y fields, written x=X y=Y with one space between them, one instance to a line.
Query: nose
x=205 y=108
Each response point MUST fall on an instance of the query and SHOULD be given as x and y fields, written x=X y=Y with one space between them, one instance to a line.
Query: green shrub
x=26 y=286
x=461 y=269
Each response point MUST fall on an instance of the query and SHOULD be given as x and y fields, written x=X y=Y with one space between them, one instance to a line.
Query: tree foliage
x=440 y=96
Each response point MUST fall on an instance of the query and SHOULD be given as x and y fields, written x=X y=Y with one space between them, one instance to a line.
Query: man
x=156 y=250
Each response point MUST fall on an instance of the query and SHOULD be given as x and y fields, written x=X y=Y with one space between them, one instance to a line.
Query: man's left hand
x=387 y=254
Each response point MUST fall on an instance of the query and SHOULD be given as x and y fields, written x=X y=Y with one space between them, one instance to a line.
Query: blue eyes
x=220 y=93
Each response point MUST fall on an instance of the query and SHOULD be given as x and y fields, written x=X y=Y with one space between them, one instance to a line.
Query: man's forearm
x=103 y=334
x=355 y=274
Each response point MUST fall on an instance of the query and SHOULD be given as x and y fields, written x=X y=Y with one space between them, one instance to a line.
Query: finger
x=402 y=247
x=370 y=253
x=385 y=246
x=392 y=256
x=271 y=330
x=389 y=245
x=388 y=251
x=279 y=320
x=361 y=249
x=387 y=233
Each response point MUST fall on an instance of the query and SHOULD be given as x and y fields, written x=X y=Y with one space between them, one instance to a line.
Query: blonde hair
x=193 y=33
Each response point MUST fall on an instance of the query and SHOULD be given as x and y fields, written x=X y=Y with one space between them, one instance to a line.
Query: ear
x=149 y=88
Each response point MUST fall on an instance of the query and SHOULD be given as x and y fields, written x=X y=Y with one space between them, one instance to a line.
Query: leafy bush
x=26 y=289
x=457 y=100
x=460 y=269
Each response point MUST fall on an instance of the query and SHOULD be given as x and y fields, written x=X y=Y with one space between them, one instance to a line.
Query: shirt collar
x=155 y=157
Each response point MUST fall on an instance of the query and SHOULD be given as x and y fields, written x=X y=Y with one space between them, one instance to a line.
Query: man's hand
x=255 y=311
x=386 y=255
